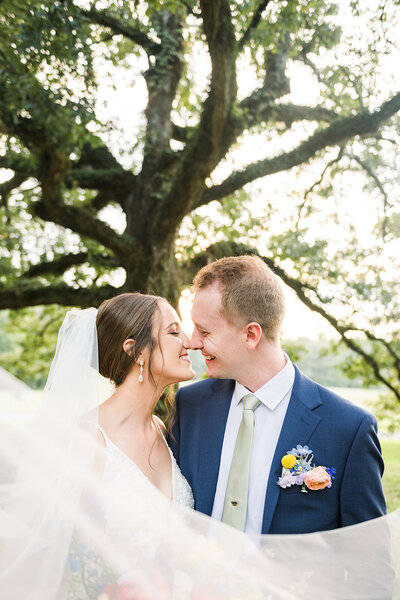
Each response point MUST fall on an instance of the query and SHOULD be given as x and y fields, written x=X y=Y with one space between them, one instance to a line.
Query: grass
x=391 y=477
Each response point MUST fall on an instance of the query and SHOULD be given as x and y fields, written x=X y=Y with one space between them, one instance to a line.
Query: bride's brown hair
x=127 y=316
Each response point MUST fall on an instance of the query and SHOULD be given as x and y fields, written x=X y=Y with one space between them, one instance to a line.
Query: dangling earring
x=140 y=379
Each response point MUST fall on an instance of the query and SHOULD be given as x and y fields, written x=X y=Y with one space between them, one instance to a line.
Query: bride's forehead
x=167 y=313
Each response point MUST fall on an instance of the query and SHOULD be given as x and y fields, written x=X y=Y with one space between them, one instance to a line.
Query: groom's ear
x=128 y=346
x=253 y=332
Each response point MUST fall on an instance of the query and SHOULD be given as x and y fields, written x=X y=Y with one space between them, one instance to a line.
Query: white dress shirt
x=268 y=417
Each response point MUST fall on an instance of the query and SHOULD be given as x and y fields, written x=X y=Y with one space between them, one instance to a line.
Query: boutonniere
x=297 y=469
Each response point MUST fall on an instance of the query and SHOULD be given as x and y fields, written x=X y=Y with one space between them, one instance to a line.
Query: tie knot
x=250 y=402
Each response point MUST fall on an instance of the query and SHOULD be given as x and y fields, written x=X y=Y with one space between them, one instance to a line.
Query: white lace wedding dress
x=88 y=574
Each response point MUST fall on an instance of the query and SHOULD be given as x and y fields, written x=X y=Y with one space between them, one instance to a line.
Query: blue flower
x=331 y=471
x=74 y=564
x=302 y=466
x=303 y=450
x=293 y=451
x=300 y=451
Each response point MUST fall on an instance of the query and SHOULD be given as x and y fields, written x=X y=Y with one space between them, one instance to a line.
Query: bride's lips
x=186 y=358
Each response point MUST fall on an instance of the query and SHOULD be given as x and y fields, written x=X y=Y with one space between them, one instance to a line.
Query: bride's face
x=170 y=362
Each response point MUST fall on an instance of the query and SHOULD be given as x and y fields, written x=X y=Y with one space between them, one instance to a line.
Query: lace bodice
x=87 y=572
x=120 y=472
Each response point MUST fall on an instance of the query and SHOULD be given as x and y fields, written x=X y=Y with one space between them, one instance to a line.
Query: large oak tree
x=216 y=73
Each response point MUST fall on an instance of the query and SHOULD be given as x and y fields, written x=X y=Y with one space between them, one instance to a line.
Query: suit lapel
x=299 y=424
x=214 y=413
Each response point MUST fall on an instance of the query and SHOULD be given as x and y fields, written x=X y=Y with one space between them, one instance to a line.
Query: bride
x=94 y=506
x=143 y=350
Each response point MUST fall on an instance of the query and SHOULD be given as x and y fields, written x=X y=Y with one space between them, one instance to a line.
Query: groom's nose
x=196 y=342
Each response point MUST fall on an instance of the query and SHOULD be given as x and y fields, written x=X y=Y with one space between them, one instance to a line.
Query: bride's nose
x=186 y=341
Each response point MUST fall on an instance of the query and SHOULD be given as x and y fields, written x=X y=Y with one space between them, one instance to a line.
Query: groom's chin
x=211 y=374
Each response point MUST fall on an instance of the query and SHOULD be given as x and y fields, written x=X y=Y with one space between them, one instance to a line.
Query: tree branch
x=337 y=133
x=101 y=179
x=8 y=186
x=253 y=23
x=318 y=182
x=62 y=263
x=80 y=220
x=370 y=172
x=393 y=354
x=53 y=169
x=204 y=151
x=101 y=200
x=18 y=164
x=101 y=17
x=180 y=133
x=276 y=81
x=260 y=107
x=34 y=295
x=162 y=79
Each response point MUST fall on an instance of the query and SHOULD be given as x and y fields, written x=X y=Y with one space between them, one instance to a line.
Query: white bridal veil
x=52 y=533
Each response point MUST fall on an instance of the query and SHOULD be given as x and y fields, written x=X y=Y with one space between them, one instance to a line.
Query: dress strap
x=159 y=424
x=103 y=433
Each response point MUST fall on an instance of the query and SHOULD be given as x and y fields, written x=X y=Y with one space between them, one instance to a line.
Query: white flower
x=287 y=480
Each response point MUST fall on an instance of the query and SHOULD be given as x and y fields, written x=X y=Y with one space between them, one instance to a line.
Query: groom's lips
x=208 y=356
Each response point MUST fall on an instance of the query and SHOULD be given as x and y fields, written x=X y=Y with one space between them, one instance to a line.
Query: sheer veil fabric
x=49 y=518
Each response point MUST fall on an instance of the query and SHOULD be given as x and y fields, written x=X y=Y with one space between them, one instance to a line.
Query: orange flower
x=317 y=479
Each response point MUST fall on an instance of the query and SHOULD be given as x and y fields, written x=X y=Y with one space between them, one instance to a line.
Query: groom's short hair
x=250 y=292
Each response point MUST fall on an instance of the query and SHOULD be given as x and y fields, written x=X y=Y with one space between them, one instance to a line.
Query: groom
x=233 y=429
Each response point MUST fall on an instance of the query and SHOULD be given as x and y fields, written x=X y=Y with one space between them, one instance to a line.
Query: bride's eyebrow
x=173 y=324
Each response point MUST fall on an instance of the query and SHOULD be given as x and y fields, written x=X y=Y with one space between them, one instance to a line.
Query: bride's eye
x=174 y=332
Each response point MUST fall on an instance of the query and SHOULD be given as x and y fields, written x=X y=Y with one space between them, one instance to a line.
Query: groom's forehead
x=209 y=296
x=207 y=312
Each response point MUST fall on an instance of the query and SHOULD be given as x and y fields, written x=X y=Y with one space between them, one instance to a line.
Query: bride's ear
x=128 y=346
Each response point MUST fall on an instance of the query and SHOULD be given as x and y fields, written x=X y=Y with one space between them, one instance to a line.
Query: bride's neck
x=131 y=405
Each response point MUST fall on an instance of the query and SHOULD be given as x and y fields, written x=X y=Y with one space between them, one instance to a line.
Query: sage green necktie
x=235 y=504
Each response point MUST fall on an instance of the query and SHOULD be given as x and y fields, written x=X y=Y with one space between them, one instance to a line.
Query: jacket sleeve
x=361 y=496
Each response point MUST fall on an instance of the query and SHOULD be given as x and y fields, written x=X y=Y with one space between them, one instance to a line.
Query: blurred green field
x=391 y=477
x=360 y=396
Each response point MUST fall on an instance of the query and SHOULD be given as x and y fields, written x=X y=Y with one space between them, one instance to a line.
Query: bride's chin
x=183 y=377
x=189 y=375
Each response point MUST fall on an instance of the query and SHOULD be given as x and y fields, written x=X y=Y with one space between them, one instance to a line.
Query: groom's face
x=220 y=342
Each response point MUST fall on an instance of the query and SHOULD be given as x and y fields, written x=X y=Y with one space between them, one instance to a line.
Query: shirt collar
x=272 y=392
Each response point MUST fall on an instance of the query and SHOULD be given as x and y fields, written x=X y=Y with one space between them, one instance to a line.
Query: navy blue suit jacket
x=340 y=435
